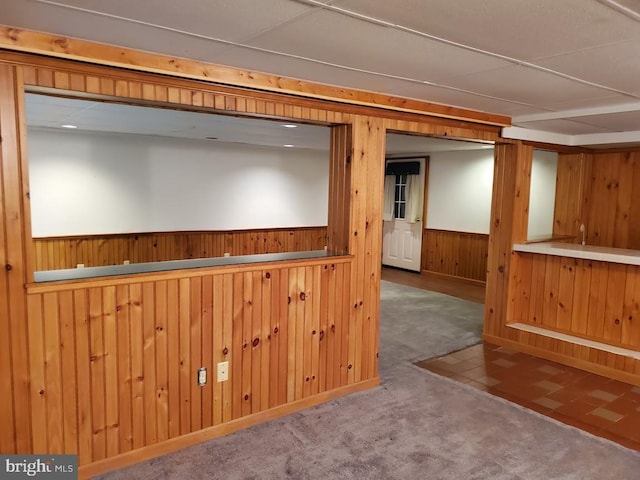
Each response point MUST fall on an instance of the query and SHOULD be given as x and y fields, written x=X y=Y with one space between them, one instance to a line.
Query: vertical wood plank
x=237 y=348
x=184 y=358
x=68 y=369
x=97 y=358
x=195 y=333
x=207 y=348
x=127 y=363
x=38 y=379
x=83 y=365
x=110 y=333
x=228 y=340
x=13 y=241
x=173 y=357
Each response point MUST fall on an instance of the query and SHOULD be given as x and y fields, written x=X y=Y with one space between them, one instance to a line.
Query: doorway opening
x=437 y=208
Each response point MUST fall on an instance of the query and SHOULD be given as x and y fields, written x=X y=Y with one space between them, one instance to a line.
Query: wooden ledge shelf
x=59 y=280
x=548 y=238
x=604 y=347
x=585 y=252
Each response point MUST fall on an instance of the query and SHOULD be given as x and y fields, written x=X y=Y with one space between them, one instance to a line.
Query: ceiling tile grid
x=513 y=57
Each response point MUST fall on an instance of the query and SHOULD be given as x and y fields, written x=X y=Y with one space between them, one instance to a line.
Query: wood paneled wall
x=106 y=367
x=98 y=250
x=458 y=254
x=595 y=300
x=572 y=174
x=553 y=290
x=15 y=418
x=125 y=376
x=509 y=219
x=601 y=190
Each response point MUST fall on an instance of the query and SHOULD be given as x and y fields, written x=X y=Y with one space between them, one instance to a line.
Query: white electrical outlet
x=202 y=376
x=223 y=371
x=227 y=254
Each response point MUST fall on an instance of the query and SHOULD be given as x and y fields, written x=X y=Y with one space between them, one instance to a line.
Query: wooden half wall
x=106 y=368
x=99 y=250
x=456 y=254
x=126 y=377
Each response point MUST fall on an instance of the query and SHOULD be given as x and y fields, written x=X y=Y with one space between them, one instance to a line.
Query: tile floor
x=599 y=405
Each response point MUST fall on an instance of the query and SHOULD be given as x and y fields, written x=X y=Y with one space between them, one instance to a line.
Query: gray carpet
x=416 y=425
x=418 y=324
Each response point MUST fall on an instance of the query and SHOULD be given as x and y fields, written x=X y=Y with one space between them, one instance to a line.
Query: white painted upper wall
x=459 y=191
x=542 y=196
x=89 y=183
x=460 y=188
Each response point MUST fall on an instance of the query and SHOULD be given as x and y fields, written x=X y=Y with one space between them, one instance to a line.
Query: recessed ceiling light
x=290 y=125
x=288 y=145
x=68 y=126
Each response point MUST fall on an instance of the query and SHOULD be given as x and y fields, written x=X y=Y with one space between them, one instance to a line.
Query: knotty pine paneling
x=613 y=195
x=100 y=250
x=458 y=254
x=105 y=367
x=15 y=418
x=113 y=368
x=594 y=300
x=509 y=203
x=571 y=181
x=547 y=291
x=602 y=191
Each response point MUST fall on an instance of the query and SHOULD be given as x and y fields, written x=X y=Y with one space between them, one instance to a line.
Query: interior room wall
x=460 y=188
x=94 y=183
x=459 y=192
x=542 y=196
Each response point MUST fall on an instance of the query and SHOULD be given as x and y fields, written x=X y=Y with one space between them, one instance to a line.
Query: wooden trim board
x=74 y=49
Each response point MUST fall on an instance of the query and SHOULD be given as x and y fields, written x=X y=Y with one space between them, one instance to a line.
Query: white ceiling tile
x=524 y=29
x=525 y=85
x=614 y=66
x=343 y=40
x=113 y=31
x=303 y=69
x=45 y=111
x=227 y=19
x=603 y=101
x=582 y=38
x=461 y=99
x=627 y=121
x=566 y=127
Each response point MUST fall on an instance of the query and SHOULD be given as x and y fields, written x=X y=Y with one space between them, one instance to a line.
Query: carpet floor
x=416 y=425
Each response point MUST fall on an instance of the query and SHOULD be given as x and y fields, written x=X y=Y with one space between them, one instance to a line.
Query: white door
x=401 y=239
x=401 y=244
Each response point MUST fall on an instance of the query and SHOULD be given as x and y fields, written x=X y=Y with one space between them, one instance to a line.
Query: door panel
x=402 y=244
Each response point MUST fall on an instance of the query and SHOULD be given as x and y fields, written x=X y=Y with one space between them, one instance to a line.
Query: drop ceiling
x=81 y=115
x=566 y=71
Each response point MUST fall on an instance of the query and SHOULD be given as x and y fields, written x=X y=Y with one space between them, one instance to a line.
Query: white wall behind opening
x=542 y=196
x=459 y=191
x=85 y=183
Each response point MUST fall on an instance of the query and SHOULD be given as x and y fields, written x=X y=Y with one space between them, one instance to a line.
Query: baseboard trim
x=596 y=368
x=474 y=281
x=173 y=444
